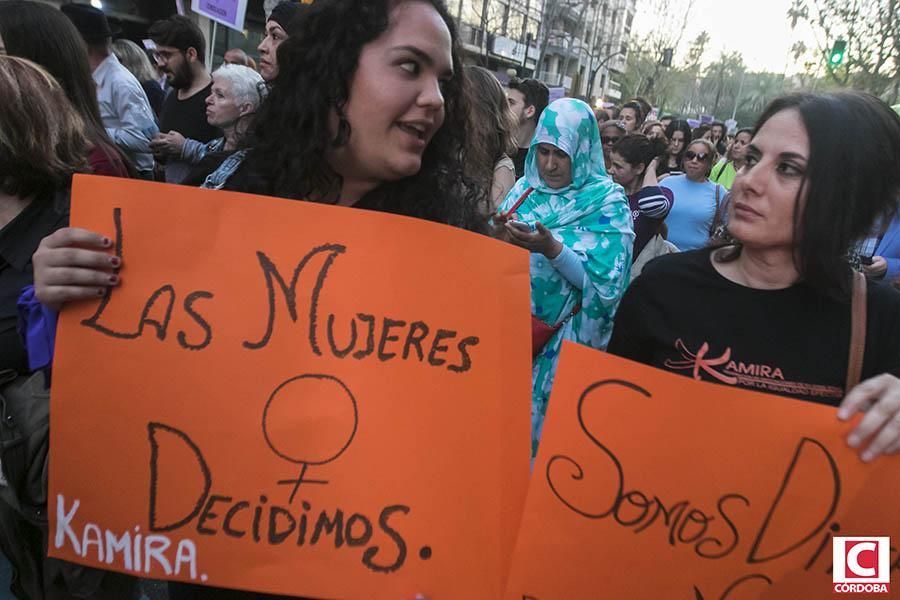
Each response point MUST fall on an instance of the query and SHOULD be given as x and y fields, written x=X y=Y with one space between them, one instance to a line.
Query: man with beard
x=527 y=99
x=181 y=54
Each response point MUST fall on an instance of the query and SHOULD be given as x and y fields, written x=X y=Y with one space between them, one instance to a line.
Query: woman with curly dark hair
x=370 y=115
x=369 y=111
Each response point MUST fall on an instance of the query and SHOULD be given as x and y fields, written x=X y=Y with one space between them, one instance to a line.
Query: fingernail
x=101 y=291
x=114 y=279
x=115 y=261
x=853 y=440
x=106 y=241
x=843 y=415
x=867 y=456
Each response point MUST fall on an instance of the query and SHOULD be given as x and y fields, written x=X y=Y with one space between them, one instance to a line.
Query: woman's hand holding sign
x=74 y=264
x=879 y=399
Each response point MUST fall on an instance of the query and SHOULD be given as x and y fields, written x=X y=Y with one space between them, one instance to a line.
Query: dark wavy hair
x=852 y=181
x=638 y=149
x=685 y=128
x=291 y=137
x=44 y=35
x=699 y=132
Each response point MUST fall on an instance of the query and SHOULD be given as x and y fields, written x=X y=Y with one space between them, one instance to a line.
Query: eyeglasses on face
x=165 y=55
x=607 y=141
x=691 y=155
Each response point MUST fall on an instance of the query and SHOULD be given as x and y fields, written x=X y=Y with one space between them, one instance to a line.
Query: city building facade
x=578 y=45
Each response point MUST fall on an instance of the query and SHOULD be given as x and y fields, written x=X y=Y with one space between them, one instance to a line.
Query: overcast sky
x=758 y=29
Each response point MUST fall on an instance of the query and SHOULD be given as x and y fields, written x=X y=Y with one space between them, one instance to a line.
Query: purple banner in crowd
x=230 y=13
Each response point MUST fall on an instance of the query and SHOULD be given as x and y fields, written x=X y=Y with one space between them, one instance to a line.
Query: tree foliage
x=871 y=29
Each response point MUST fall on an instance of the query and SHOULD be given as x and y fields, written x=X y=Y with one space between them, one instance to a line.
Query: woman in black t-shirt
x=772 y=312
x=370 y=114
x=368 y=111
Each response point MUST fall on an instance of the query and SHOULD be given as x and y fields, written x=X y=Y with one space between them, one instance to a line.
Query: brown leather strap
x=857 y=331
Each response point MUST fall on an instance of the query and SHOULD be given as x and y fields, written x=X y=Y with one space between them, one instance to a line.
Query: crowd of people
x=678 y=247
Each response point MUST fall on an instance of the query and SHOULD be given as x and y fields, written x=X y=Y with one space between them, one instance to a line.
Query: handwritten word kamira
x=129 y=550
x=359 y=336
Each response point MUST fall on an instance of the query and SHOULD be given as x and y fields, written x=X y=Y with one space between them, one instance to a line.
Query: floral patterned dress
x=590 y=216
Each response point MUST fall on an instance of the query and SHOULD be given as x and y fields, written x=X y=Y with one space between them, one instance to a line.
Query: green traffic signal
x=837 y=52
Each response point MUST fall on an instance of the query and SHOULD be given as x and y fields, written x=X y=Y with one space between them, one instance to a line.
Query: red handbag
x=541 y=332
x=540 y=335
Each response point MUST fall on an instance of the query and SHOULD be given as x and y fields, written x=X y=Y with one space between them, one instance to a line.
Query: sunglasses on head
x=691 y=155
x=610 y=140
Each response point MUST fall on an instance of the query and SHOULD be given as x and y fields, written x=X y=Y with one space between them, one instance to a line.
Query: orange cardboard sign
x=291 y=398
x=648 y=484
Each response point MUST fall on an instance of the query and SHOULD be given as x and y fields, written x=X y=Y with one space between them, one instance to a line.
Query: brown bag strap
x=857 y=331
x=718 y=215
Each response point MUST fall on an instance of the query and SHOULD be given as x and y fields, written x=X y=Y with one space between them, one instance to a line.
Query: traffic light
x=837 y=52
x=667 y=57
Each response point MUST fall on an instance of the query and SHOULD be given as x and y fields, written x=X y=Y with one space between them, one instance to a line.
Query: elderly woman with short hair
x=236 y=93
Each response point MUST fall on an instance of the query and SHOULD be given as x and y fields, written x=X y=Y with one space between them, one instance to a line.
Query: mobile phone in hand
x=521 y=225
x=865 y=260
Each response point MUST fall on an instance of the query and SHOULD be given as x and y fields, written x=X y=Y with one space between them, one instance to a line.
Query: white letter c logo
x=853 y=559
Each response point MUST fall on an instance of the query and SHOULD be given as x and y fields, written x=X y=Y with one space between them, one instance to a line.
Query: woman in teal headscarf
x=577 y=224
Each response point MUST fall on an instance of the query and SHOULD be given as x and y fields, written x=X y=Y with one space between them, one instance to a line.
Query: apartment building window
x=469 y=13
x=531 y=27
x=496 y=17
x=515 y=24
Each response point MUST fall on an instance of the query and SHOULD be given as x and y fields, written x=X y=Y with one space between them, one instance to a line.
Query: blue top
x=693 y=212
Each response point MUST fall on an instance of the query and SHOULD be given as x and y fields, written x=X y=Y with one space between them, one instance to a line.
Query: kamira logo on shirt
x=755 y=370
x=700 y=361
x=729 y=373
x=750 y=375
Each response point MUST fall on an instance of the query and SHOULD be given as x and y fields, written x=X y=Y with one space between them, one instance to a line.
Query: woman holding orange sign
x=772 y=311
x=373 y=122
x=368 y=111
